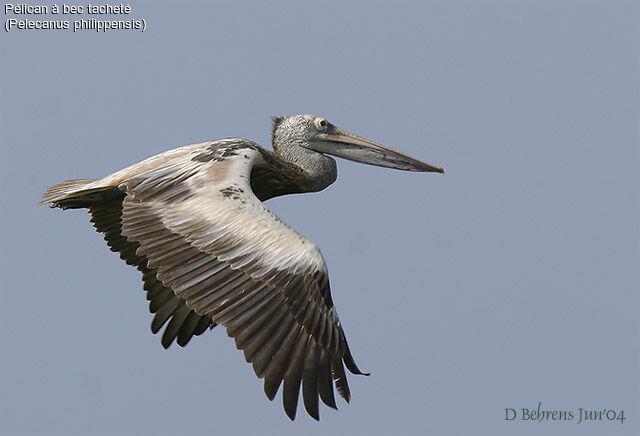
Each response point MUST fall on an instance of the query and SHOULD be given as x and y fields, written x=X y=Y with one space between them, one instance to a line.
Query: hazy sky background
x=510 y=280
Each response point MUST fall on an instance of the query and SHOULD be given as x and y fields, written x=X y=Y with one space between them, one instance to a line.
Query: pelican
x=192 y=220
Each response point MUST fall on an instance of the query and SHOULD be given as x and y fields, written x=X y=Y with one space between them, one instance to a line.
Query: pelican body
x=192 y=220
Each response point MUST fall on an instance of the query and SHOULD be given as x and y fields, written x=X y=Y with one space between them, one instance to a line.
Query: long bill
x=346 y=145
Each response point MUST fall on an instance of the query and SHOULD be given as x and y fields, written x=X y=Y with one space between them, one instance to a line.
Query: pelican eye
x=321 y=123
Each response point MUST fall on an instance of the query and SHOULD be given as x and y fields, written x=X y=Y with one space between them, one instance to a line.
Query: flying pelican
x=192 y=220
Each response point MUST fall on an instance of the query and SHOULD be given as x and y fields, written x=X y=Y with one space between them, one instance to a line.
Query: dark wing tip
x=349 y=362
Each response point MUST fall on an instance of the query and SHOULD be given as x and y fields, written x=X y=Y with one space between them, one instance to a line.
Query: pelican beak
x=340 y=143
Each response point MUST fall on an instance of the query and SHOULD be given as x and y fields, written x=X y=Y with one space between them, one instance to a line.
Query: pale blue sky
x=510 y=280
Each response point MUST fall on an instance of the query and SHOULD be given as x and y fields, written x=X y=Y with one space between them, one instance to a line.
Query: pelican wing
x=209 y=239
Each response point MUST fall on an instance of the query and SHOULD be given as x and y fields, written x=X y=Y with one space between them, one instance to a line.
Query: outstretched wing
x=217 y=247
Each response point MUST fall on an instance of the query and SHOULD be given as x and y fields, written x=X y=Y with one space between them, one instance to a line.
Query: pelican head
x=319 y=135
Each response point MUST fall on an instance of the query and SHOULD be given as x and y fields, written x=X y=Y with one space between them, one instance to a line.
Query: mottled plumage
x=193 y=222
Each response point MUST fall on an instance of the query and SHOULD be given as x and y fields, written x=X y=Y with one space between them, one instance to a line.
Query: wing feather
x=280 y=362
x=293 y=375
x=310 y=380
x=175 y=324
x=325 y=380
x=163 y=314
x=255 y=340
x=265 y=356
x=188 y=328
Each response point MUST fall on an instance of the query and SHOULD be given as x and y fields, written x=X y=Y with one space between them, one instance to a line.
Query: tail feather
x=78 y=193
x=64 y=189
